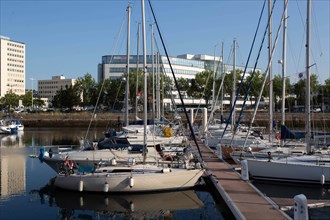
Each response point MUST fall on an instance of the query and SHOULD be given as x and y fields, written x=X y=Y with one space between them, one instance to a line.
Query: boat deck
x=242 y=198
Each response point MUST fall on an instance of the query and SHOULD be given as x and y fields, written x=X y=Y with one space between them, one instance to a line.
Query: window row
x=15 y=45
x=15 y=70
x=14 y=55
x=14 y=50
x=183 y=72
x=46 y=92
x=15 y=65
x=48 y=82
x=16 y=75
x=15 y=60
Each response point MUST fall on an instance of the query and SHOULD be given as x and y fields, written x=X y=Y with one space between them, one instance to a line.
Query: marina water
x=25 y=194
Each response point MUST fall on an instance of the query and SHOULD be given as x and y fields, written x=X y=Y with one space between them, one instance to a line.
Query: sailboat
x=134 y=177
x=301 y=169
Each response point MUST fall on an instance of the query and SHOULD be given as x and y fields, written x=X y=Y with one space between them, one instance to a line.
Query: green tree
x=27 y=99
x=255 y=82
x=201 y=86
x=114 y=93
x=10 y=100
x=277 y=89
x=67 y=98
x=300 y=90
x=87 y=87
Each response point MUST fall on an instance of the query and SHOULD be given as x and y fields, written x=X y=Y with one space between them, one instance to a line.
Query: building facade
x=12 y=67
x=48 y=88
x=184 y=66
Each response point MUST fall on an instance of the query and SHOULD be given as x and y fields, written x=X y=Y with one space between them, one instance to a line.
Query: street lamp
x=32 y=79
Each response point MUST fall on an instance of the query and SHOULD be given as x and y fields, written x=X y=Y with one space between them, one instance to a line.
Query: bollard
x=300 y=207
x=244 y=170
x=219 y=151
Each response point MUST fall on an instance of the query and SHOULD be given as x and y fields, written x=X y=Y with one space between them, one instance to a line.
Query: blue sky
x=70 y=37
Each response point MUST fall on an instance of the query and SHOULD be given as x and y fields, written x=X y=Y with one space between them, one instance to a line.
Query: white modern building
x=184 y=66
x=48 y=88
x=12 y=67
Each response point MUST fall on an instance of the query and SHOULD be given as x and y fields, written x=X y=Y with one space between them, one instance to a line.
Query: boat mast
x=233 y=86
x=157 y=87
x=137 y=71
x=270 y=77
x=153 y=71
x=307 y=111
x=144 y=70
x=284 y=67
x=223 y=78
x=213 y=86
x=128 y=56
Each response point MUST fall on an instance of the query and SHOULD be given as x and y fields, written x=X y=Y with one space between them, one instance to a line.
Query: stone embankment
x=55 y=119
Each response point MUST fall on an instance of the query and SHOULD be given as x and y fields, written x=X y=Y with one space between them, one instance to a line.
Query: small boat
x=10 y=125
x=135 y=178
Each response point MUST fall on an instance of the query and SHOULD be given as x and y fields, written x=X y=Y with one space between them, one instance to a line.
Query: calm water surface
x=25 y=194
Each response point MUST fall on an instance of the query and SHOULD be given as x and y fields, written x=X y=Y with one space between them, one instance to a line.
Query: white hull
x=308 y=170
x=125 y=179
x=90 y=158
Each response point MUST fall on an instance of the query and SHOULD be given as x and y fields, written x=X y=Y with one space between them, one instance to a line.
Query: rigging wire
x=175 y=80
x=266 y=75
x=253 y=72
x=101 y=89
x=241 y=84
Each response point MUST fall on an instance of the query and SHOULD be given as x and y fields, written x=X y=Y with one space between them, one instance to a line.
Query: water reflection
x=12 y=166
x=135 y=206
x=20 y=173
x=287 y=190
x=60 y=136
x=15 y=140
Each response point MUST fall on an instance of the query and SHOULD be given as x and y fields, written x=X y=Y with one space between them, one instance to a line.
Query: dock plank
x=241 y=196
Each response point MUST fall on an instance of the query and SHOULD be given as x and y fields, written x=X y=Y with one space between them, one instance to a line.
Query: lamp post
x=32 y=79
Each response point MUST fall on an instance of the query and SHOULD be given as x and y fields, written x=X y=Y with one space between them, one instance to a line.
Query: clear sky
x=70 y=37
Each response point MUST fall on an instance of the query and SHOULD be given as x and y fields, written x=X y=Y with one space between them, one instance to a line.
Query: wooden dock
x=241 y=197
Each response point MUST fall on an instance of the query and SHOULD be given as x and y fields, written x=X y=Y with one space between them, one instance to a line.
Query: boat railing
x=53 y=149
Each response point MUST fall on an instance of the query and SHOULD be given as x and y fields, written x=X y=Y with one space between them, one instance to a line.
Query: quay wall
x=57 y=119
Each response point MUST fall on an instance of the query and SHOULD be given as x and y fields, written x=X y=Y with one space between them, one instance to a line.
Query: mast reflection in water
x=25 y=193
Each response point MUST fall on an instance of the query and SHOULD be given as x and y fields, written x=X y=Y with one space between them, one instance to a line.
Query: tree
x=67 y=98
x=201 y=86
x=277 y=89
x=27 y=99
x=10 y=100
x=300 y=89
x=87 y=86
x=114 y=93
x=253 y=84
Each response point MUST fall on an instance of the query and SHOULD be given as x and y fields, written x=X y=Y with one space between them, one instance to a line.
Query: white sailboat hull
x=289 y=171
x=142 y=179
x=90 y=158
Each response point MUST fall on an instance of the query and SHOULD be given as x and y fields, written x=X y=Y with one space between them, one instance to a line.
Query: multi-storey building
x=12 y=66
x=48 y=88
x=184 y=66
